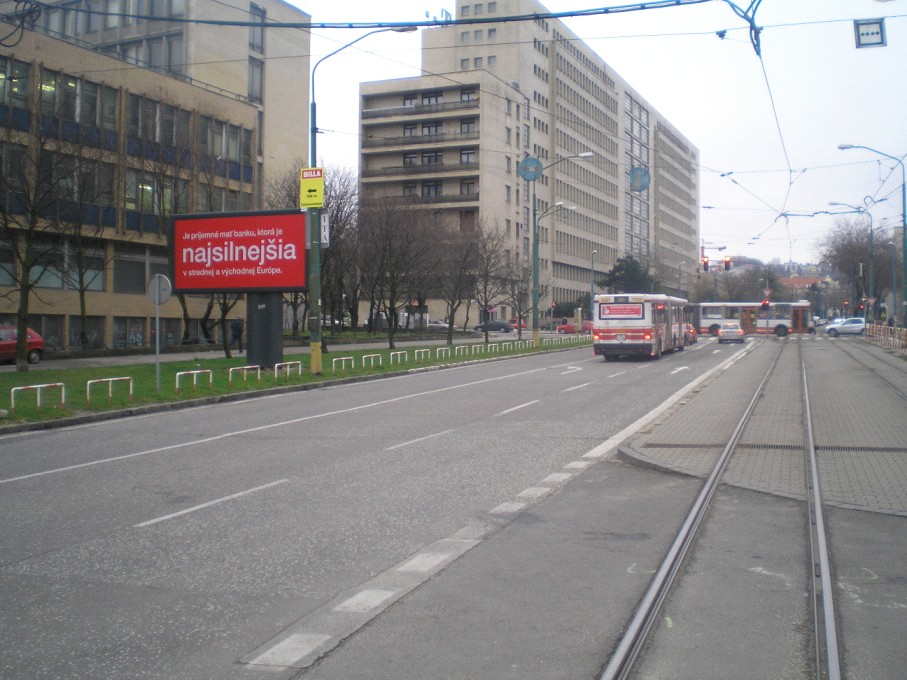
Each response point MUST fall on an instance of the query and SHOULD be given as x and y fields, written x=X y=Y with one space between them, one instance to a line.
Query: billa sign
x=239 y=252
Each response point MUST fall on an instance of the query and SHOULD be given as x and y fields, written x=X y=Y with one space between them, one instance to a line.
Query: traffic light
x=727 y=262
x=765 y=305
x=705 y=264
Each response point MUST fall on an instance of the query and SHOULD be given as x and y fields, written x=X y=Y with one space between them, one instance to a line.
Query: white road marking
x=270 y=426
x=416 y=441
x=556 y=478
x=614 y=375
x=534 y=492
x=424 y=562
x=571 y=369
x=578 y=465
x=678 y=370
x=576 y=387
x=365 y=601
x=290 y=650
x=517 y=408
x=507 y=508
x=209 y=504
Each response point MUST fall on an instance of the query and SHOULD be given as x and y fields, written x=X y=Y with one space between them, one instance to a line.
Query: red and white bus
x=639 y=324
x=781 y=318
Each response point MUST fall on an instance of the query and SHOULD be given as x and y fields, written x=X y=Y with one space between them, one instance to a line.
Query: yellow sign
x=311 y=188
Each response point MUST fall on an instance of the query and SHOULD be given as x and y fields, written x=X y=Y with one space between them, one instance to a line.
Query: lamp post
x=894 y=280
x=592 y=287
x=530 y=169
x=315 y=213
x=863 y=211
x=680 y=278
x=900 y=162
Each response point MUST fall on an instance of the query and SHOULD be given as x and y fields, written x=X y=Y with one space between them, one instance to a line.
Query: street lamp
x=530 y=169
x=894 y=280
x=592 y=287
x=869 y=309
x=900 y=162
x=315 y=213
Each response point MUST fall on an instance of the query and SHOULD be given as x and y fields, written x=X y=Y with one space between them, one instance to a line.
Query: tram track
x=826 y=661
x=854 y=349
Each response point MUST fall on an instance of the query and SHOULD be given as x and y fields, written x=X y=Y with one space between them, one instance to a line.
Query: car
x=522 y=323
x=855 y=325
x=691 y=335
x=34 y=345
x=570 y=327
x=731 y=331
x=494 y=325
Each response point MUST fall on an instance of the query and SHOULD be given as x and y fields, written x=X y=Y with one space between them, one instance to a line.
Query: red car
x=691 y=335
x=522 y=324
x=570 y=327
x=34 y=345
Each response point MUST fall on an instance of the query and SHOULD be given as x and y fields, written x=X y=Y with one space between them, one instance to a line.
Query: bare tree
x=491 y=270
x=36 y=182
x=518 y=290
x=454 y=279
x=393 y=250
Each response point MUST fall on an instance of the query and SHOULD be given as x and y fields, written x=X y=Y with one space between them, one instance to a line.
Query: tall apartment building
x=265 y=66
x=111 y=153
x=533 y=88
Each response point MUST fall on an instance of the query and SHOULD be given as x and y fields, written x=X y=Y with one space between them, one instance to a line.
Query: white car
x=855 y=325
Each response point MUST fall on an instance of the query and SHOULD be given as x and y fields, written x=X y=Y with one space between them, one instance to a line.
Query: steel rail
x=621 y=662
x=828 y=659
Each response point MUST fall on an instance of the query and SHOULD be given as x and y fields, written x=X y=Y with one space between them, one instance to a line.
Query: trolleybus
x=639 y=324
x=781 y=318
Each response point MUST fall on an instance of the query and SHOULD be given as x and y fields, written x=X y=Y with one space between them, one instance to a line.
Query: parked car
x=570 y=327
x=731 y=331
x=855 y=325
x=34 y=345
x=691 y=335
x=495 y=326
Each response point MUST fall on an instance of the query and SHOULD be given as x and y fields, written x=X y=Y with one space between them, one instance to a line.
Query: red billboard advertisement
x=239 y=252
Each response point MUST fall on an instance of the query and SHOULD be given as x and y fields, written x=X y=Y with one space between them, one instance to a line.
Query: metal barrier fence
x=888 y=337
x=38 y=390
x=110 y=382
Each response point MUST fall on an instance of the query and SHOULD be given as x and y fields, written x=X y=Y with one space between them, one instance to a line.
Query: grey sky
x=768 y=131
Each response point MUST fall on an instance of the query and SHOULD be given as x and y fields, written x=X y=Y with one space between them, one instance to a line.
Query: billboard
x=239 y=252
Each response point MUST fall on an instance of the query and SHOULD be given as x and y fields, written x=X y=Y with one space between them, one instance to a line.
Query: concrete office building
x=265 y=66
x=499 y=92
x=113 y=153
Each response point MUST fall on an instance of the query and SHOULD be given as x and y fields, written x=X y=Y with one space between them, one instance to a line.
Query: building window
x=409 y=159
x=464 y=64
x=467 y=155
x=492 y=7
x=478 y=36
x=468 y=125
x=492 y=60
x=507 y=133
x=479 y=8
x=429 y=98
x=507 y=193
x=464 y=37
x=464 y=11
x=432 y=158
x=477 y=62
x=257 y=29
x=256 y=79
x=409 y=100
x=492 y=33
x=467 y=95
x=409 y=190
x=409 y=130
x=468 y=187
x=432 y=128
x=430 y=189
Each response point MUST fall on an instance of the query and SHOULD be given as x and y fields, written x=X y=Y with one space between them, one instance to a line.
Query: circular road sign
x=159 y=289
x=639 y=179
x=530 y=168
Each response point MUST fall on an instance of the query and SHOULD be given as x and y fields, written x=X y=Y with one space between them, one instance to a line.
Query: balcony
x=435 y=168
x=415 y=140
x=420 y=109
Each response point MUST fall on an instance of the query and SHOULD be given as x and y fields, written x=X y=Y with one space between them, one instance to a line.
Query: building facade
x=260 y=64
x=536 y=90
x=94 y=159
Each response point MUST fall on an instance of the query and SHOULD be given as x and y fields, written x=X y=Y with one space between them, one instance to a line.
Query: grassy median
x=75 y=391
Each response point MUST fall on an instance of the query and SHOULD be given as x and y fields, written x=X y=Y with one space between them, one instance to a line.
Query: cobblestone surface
x=859 y=424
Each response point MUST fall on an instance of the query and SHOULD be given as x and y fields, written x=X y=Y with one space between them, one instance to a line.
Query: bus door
x=799 y=321
x=748 y=319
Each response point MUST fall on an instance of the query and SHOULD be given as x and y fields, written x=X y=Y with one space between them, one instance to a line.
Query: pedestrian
x=891 y=321
x=236 y=329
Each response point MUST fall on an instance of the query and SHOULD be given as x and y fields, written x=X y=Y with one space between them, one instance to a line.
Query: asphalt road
x=250 y=539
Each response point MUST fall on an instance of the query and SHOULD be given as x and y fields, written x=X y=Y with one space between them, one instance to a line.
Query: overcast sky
x=767 y=131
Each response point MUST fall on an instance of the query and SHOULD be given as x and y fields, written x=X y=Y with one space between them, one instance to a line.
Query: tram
x=639 y=324
x=781 y=318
